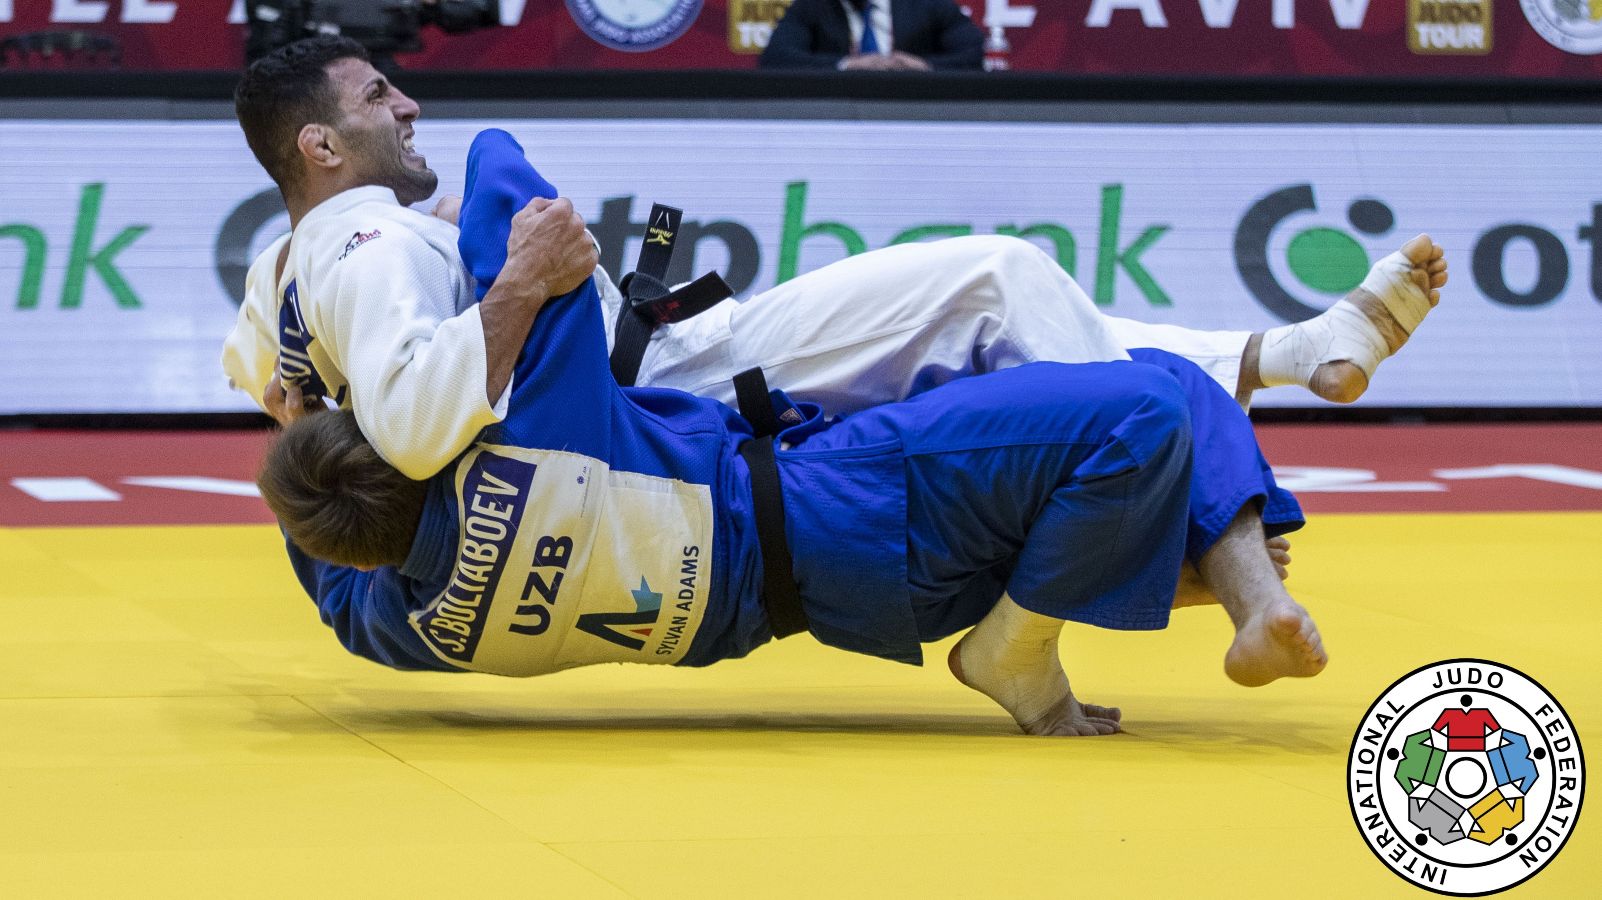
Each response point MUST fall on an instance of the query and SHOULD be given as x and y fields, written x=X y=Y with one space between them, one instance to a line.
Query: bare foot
x=1070 y=718
x=1279 y=555
x=1279 y=641
x=1342 y=381
x=1026 y=694
x=1193 y=591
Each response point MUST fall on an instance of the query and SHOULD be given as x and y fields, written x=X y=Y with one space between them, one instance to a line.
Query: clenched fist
x=548 y=252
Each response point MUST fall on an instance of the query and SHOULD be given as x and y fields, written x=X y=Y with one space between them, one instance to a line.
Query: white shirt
x=879 y=11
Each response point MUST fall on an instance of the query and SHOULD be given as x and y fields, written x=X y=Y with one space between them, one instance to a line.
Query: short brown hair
x=335 y=497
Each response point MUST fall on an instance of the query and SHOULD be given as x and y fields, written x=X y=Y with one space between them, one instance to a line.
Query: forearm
x=508 y=313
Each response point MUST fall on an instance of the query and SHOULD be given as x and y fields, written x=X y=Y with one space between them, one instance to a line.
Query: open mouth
x=409 y=151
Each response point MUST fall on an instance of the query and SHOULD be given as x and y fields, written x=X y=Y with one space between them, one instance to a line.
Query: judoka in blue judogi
x=605 y=524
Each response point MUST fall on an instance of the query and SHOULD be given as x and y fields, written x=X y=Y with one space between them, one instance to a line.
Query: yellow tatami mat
x=174 y=721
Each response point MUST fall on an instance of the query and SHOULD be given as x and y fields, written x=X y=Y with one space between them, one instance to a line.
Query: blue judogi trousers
x=1077 y=489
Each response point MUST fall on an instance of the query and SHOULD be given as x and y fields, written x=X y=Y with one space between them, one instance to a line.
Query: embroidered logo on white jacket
x=358 y=239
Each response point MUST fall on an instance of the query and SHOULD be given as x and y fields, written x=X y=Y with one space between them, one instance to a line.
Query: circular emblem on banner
x=1574 y=26
x=1465 y=777
x=634 y=25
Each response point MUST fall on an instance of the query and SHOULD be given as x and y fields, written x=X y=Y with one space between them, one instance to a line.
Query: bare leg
x=1011 y=657
x=1193 y=591
x=1251 y=378
x=1274 y=636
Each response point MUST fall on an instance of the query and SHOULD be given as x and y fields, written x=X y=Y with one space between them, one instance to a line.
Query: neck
x=305 y=200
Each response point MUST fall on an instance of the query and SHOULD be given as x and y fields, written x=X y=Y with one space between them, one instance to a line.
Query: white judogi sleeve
x=250 y=352
x=417 y=380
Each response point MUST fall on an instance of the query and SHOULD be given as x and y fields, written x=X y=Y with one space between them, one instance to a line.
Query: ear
x=317 y=143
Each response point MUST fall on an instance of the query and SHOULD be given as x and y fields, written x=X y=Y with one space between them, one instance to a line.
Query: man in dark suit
x=899 y=35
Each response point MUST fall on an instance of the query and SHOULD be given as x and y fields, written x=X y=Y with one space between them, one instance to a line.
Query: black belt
x=649 y=304
x=647 y=301
x=781 y=599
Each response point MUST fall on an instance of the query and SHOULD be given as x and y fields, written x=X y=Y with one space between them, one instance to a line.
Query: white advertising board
x=123 y=244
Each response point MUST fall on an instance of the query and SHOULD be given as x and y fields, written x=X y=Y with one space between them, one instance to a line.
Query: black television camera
x=384 y=27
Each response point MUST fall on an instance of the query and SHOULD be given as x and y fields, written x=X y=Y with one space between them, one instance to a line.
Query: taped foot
x=1281 y=641
x=1027 y=694
x=1064 y=716
x=1335 y=354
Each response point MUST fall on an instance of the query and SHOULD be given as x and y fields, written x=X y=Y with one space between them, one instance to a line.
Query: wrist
x=521 y=290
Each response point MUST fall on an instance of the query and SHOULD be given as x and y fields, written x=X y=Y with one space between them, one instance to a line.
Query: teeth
x=406 y=144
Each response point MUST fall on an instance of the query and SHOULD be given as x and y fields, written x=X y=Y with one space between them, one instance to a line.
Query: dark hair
x=335 y=497
x=284 y=91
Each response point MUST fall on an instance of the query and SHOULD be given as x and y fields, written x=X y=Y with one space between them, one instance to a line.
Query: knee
x=1158 y=397
x=999 y=253
x=1012 y=254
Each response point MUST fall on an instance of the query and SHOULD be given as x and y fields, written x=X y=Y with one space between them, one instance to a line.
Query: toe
x=1102 y=712
x=1420 y=279
x=1418 y=249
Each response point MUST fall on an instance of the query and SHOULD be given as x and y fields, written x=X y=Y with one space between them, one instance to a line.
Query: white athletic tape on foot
x=1292 y=353
x=1389 y=280
x=1011 y=657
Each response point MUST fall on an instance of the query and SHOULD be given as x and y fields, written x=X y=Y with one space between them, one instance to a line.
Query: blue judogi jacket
x=598 y=523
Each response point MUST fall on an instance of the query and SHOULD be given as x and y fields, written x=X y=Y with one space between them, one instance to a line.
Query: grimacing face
x=375 y=126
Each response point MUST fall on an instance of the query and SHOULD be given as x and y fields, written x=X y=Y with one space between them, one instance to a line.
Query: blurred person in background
x=875 y=35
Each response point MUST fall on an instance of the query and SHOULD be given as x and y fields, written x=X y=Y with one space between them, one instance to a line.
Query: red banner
x=203 y=478
x=1375 y=38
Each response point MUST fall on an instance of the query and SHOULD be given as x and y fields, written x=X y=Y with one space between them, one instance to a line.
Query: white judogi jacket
x=395 y=333
x=392 y=316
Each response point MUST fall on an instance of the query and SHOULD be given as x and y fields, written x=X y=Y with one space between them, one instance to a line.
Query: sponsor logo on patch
x=1449 y=27
x=1574 y=26
x=1466 y=777
x=358 y=239
x=627 y=629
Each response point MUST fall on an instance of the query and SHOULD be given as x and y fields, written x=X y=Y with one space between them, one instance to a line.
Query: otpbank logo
x=1322 y=262
x=1296 y=257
